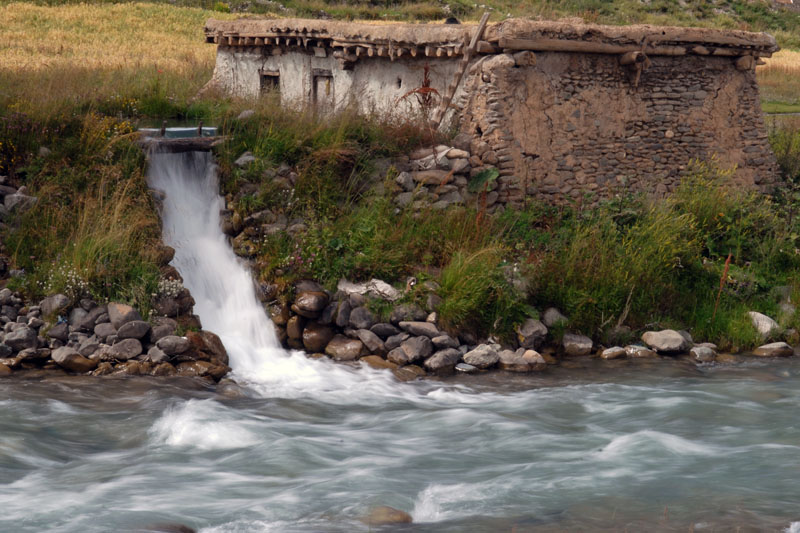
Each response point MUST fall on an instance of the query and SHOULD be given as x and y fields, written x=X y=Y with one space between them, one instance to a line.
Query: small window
x=270 y=81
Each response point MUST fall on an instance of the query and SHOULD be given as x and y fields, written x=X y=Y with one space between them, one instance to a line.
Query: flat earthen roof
x=515 y=34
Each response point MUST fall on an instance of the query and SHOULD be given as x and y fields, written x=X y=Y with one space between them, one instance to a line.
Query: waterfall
x=223 y=289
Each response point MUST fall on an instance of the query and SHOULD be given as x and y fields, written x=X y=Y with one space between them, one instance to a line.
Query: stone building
x=559 y=108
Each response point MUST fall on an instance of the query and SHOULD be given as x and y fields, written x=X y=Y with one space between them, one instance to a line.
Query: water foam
x=198 y=423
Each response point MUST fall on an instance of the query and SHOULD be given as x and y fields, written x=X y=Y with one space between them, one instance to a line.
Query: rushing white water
x=305 y=446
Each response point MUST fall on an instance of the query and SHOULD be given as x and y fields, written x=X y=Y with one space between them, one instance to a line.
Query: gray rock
x=416 y=349
x=309 y=304
x=483 y=356
x=244 y=160
x=120 y=314
x=6 y=295
x=576 y=345
x=373 y=343
x=763 y=324
x=5 y=350
x=639 y=352
x=527 y=361
x=160 y=331
x=92 y=316
x=357 y=300
x=19 y=203
x=244 y=115
x=384 y=330
x=343 y=313
x=443 y=341
x=405 y=181
x=342 y=348
x=126 y=349
x=443 y=360
x=397 y=356
x=464 y=368
x=328 y=314
x=135 y=329
x=76 y=316
x=615 y=352
x=702 y=354
x=531 y=334
x=173 y=345
x=666 y=341
x=361 y=318
x=71 y=360
x=88 y=346
x=21 y=338
x=60 y=331
x=420 y=329
x=156 y=355
x=553 y=317
x=54 y=304
x=396 y=340
x=407 y=313
x=775 y=349
x=104 y=330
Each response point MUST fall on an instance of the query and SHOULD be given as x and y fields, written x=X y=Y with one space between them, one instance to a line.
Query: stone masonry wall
x=559 y=125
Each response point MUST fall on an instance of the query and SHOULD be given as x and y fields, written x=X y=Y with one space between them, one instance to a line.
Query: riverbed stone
x=310 y=304
x=60 y=331
x=615 y=352
x=396 y=340
x=104 y=330
x=483 y=356
x=126 y=349
x=361 y=318
x=407 y=313
x=156 y=355
x=373 y=343
x=342 y=348
x=120 y=314
x=409 y=373
x=417 y=328
x=377 y=362
x=465 y=368
x=88 y=346
x=576 y=345
x=774 y=349
x=384 y=330
x=343 y=313
x=173 y=345
x=443 y=360
x=316 y=337
x=702 y=354
x=294 y=327
x=531 y=334
x=763 y=324
x=93 y=316
x=443 y=341
x=415 y=349
x=634 y=351
x=53 y=304
x=71 y=360
x=4 y=370
x=104 y=368
x=208 y=346
x=667 y=341
x=21 y=338
x=526 y=361
x=384 y=516
x=135 y=329
x=76 y=316
x=552 y=317
x=163 y=369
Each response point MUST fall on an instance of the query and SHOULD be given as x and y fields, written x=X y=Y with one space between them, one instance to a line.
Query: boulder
x=666 y=341
x=88 y=346
x=384 y=330
x=316 y=337
x=702 y=354
x=126 y=349
x=763 y=324
x=208 y=347
x=444 y=341
x=104 y=330
x=21 y=338
x=527 y=361
x=174 y=306
x=19 y=202
x=576 y=345
x=342 y=348
x=173 y=345
x=420 y=329
x=377 y=362
x=373 y=343
x=120 y=314
x=531 y=334
x=775 y=349
x=156 y=355
x=135 y=329
x=295 y=326
x=309 y=304
x=483 y=356
x=60 y=331
x=54 y=304
x=71 y=360
x=407 y=313
x=415 y=349
x=343 y=313
x=163 y=369
x=383 y=516
x=635 y=351
x=76 y=316
x=615 y=352
x=553 y=317
x=361 y=318
x=396 y=340
x=160 y=331
x=443 y=360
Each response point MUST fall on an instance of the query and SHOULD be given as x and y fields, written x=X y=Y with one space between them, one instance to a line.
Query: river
x=299 y=445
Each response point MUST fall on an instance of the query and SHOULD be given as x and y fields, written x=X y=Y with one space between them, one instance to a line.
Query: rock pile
x=102 y=339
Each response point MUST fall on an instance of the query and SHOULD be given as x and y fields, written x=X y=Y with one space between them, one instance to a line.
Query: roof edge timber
x=438 y=40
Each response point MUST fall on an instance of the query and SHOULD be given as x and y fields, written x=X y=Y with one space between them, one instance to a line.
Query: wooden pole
x=438 y=115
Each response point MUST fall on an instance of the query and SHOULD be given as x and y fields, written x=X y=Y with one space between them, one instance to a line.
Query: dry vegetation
x=779 y=80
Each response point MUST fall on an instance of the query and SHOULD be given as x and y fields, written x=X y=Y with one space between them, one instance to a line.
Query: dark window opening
x=399 y=83
x=270 y=81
